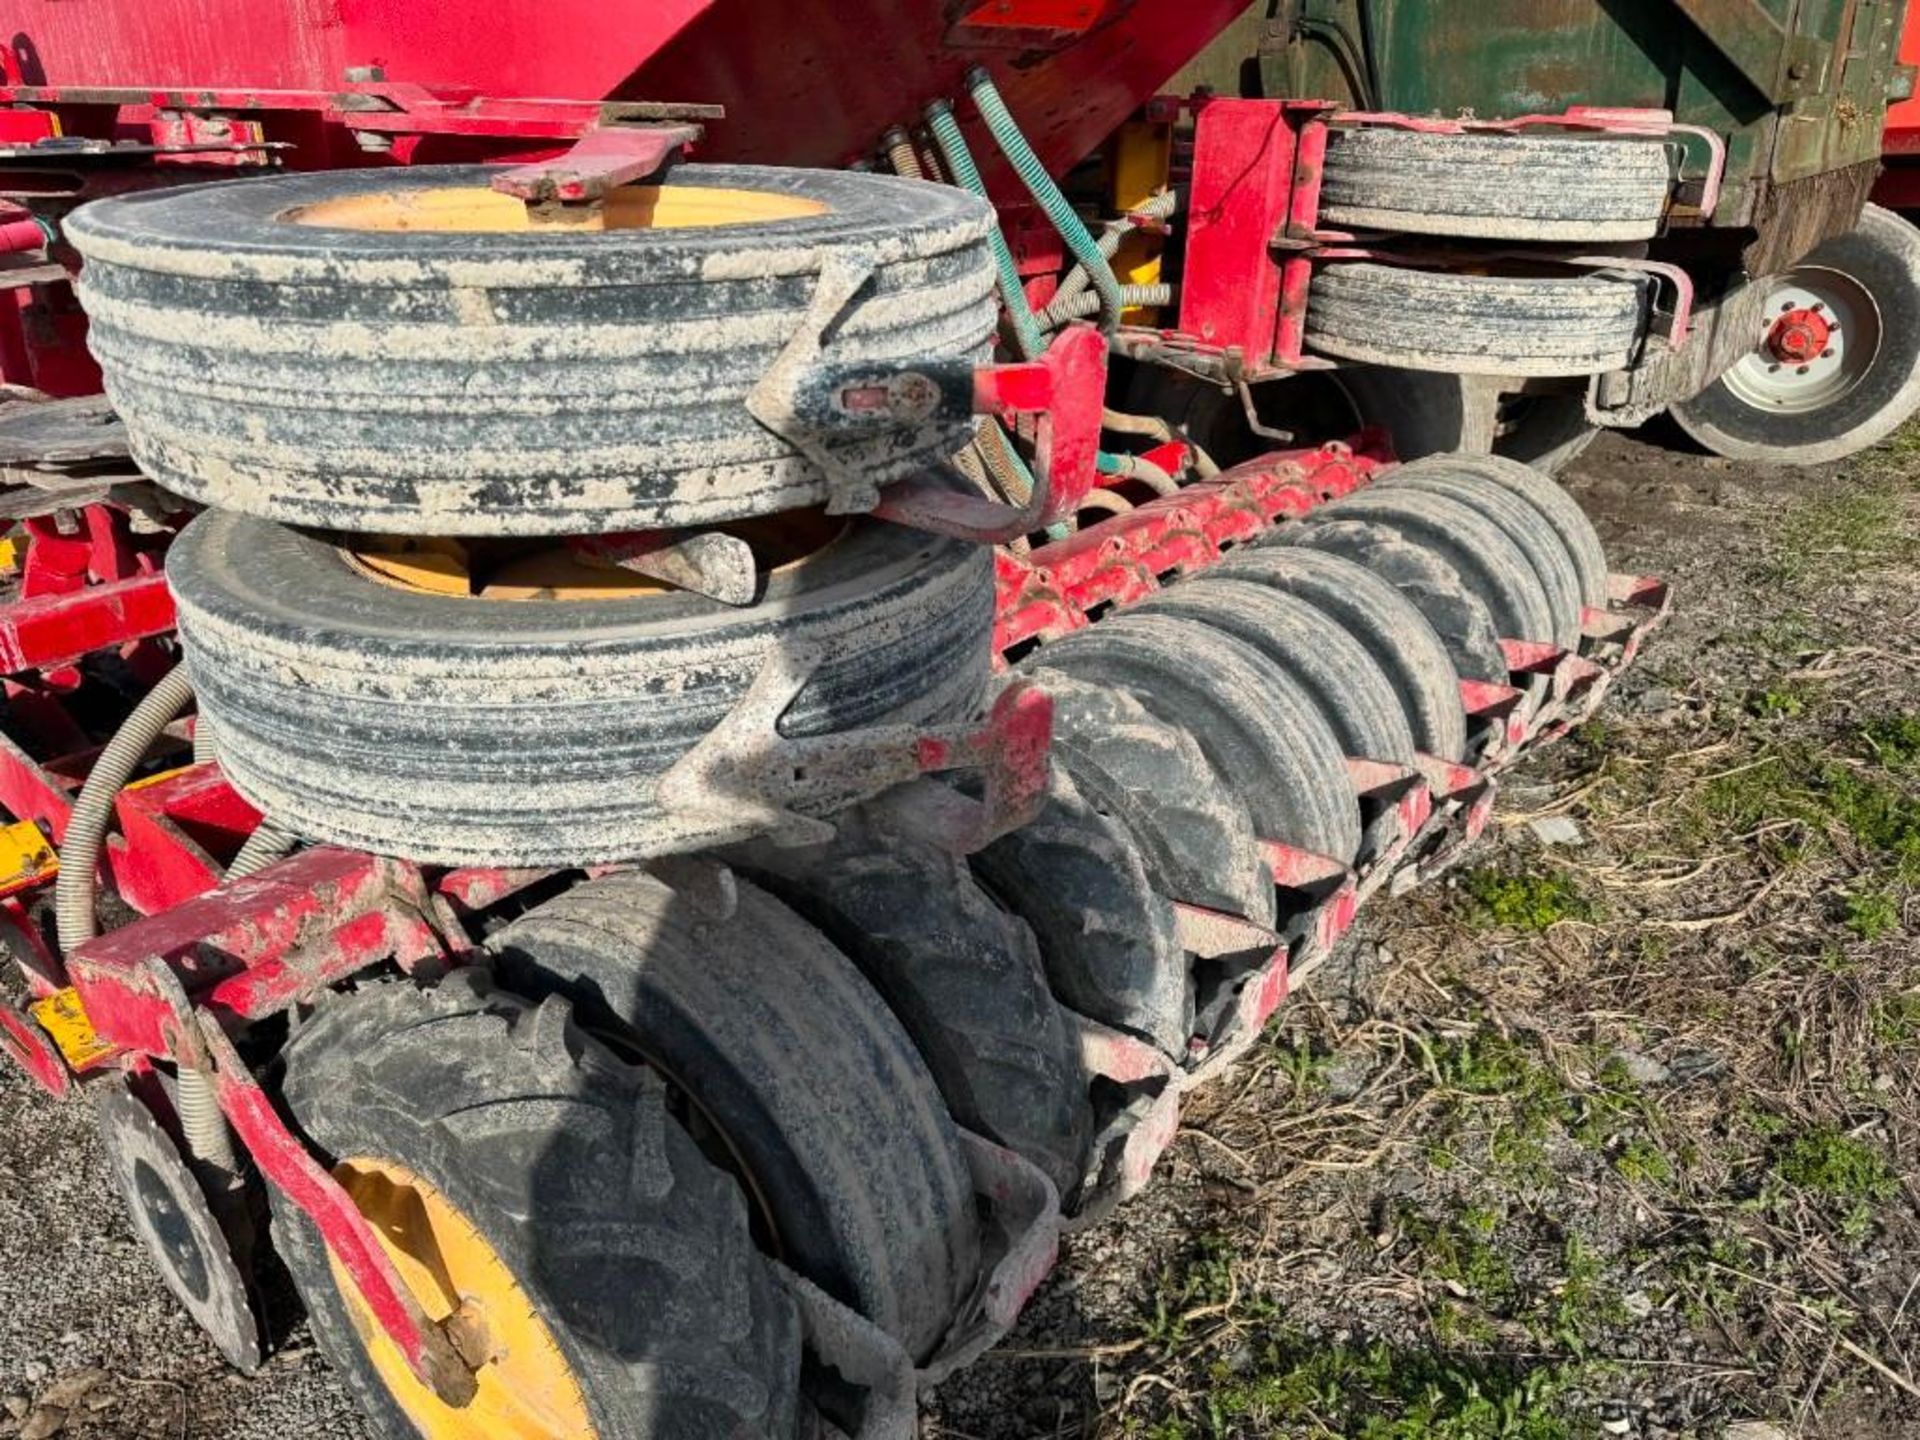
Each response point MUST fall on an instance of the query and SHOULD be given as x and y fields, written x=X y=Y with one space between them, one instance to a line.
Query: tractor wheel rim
x=524 y=1384
x=475 y=209
x=1777 y=376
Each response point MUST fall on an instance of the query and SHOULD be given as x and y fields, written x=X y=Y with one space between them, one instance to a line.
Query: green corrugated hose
x=953 y=149
x=1026 y=164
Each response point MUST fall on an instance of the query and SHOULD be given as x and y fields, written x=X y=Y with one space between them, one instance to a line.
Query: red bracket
x=1065 y=390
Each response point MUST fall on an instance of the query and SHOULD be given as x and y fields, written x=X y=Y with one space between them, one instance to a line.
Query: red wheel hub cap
x=1798 y=336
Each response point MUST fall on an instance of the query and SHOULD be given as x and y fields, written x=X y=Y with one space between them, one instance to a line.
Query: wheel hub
x=1820 y=332
x=1800 y=335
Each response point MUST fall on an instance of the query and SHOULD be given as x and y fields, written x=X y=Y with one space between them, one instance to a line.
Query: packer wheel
x=791 y=1069
x=537 y=1192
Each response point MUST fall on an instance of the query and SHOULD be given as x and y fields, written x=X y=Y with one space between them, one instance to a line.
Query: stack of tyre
x=675 y=1113
x=1471 y=280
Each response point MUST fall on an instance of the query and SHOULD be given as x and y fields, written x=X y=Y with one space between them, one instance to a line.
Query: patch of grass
x=1872 y=913
x=1851 y=523
x=1462 y=1253
x=1828 y=1162
x=1383 y=1392
x=1534 y=900
x=1776 y=704
x=1896 y=1018
x=1643 y=1163
x=1894 y=740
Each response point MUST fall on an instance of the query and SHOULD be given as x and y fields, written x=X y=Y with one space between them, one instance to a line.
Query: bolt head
x=1800 y=369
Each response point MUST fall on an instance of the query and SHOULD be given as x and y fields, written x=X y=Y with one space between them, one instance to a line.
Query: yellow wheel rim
x=544 y=570
x=525 y=1388
x=472 y=209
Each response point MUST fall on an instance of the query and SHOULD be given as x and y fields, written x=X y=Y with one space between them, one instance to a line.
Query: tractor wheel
x=1530 y=186
x=466 y=729
x=788 y=1065
x=1255 y=723
x=402 y=350
x=1191 y=827
x=1468 y=324
x=1560 y=510
x=1388 y=626
x=964 y=979
x=1108 y=940
x=1839 y=365
x=518 y=1173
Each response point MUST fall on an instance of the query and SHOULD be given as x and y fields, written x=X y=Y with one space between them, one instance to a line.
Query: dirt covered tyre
x=789 y=1065
x=1532 y=185
x=518 y=1173
x=1190 y=826
x=1469 y=324
x=401 y=350
x=1260 y=730
x=963 y=976
x=1109 y=940
x=1388 y=626
x=1837 y=367
x=359 y=707
x=1429 y=413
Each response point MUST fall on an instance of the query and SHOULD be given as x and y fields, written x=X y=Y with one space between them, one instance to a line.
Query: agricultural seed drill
x=655 y=732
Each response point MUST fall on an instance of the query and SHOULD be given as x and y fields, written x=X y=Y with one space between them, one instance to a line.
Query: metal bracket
x=745 y=779
x=602 y=159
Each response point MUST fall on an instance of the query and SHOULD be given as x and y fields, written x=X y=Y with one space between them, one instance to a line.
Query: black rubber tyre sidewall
x=474 y=731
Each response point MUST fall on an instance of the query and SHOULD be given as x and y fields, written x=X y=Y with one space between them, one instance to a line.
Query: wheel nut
x=1800 y=369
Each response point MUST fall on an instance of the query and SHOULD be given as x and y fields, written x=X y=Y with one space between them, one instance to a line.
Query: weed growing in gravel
x=1535 y=900
x=1828 y=1162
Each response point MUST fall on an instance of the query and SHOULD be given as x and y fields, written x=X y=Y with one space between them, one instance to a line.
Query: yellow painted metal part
x=26 y=856
x=468 y=209
x=527 y=1390
x=13 y=550
x=1142 y=164
x=65 y=1020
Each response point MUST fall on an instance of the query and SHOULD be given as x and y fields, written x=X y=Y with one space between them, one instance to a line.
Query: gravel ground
x=1331 y=1195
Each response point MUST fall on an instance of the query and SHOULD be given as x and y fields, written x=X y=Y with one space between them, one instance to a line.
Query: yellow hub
x=526 y=1389
x=549 y=570
x=470 y=209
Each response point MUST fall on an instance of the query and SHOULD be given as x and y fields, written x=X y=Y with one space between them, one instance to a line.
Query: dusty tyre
x=1848 y=376
x=1529 y=531
x=1259 y=728
x=1560 y=510
x=396 y=350
x=469 y=730
x=1192 y=829
x=793 y=1067
x=1345 y=684
x=964 y=979
x=1385 y=623
x=1528 y=186
x=1458 y=616
x=513 y=1166
x=1476 y=548
x=1109 y=941
x=1469 y=324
